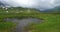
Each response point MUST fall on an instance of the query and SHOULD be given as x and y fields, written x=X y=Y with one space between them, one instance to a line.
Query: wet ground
x=21 y=23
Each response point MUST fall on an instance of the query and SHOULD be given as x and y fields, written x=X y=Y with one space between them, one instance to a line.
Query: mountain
x=19 y=10
x=3 y=4
x=22 y=9
x=54 y=10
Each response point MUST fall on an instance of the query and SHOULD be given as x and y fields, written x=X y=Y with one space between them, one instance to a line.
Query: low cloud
x=39 y=4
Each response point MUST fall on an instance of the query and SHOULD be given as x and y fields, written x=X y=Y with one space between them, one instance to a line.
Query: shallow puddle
x=21 y=23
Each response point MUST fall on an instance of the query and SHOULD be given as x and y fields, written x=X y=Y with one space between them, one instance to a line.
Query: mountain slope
x=54 y=10
x=1 y=4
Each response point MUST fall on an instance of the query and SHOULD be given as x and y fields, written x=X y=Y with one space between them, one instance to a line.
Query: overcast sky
x=39 y=4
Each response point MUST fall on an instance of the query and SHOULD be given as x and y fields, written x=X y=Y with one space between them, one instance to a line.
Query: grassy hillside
x=51 y=21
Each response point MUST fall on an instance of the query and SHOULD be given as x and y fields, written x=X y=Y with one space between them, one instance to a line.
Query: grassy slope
x=6 y=26
x=51 y=24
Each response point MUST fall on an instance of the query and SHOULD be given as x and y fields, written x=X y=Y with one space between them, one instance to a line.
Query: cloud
x=39 y=4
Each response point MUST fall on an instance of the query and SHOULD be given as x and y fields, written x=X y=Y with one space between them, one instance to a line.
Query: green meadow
x=51 y=21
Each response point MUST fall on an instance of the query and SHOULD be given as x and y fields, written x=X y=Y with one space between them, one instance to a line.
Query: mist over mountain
x=54 y=10
x=38 y=4
x=2 y=4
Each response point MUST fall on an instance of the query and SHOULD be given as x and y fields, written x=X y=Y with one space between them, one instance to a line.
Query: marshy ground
x=51 y=21
x=21 y=23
